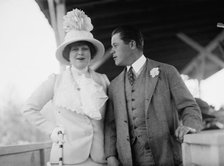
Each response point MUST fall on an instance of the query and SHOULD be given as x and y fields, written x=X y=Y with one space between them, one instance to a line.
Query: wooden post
x=57 y=11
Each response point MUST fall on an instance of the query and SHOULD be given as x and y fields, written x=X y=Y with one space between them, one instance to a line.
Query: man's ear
x=132 y=44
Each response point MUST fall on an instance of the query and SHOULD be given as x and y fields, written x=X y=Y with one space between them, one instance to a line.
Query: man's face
x=120 y=51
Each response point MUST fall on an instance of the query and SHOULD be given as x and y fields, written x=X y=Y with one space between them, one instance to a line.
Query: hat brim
x=100 y=50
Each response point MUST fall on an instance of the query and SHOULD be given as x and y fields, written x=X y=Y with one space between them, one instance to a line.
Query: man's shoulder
x=117 y=78
x=114 y=80
x=162 y=66
x=159 y=64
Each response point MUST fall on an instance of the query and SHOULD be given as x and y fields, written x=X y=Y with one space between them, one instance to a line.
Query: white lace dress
x=77 y=104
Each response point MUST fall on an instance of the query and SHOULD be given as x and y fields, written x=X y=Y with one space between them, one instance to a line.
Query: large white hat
x=77 y=26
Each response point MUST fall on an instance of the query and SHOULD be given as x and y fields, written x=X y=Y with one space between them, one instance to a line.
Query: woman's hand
x=112 y=161
x=57 y=135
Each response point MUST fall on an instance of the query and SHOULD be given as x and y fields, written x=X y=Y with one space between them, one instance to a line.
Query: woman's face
x=80 y=56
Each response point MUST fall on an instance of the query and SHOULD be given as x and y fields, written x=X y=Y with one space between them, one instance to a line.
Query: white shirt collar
x=138 y=64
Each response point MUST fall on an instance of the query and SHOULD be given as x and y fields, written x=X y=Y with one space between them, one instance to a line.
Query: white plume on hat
x=77 y=26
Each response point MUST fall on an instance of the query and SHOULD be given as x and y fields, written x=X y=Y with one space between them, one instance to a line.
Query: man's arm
x=187 y=107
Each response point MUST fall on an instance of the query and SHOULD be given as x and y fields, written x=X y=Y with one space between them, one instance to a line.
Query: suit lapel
x=120 y=95
x=150 y=84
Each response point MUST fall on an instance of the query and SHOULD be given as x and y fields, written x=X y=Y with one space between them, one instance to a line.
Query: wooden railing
x=202 y=149
x=25 y=155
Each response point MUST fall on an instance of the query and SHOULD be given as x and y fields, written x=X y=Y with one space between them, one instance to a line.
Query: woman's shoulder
x=53 y=77
x=100 y=78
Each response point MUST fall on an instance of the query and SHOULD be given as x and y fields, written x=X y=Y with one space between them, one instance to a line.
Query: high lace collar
x=80 y=94
x=79 y=72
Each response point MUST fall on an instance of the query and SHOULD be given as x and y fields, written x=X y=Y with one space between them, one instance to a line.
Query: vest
x=135 y=101
x=136 y=107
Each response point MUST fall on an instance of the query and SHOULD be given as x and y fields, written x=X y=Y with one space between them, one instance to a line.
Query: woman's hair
x=78 y=43
x=128 y=33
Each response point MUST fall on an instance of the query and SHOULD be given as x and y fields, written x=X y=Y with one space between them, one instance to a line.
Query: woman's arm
x=35 y=103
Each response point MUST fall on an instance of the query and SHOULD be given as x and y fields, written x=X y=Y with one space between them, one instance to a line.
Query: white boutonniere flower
x=154 y=72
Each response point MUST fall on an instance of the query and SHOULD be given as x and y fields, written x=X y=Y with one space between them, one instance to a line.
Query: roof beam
x=96 y=64
x=204 y=52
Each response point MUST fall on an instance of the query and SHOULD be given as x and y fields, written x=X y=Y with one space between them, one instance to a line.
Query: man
x=142 y=125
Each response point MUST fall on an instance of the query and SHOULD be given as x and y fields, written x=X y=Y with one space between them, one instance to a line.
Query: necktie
x=131 y=76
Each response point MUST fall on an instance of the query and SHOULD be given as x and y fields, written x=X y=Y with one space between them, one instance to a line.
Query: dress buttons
x=132 y=99
x=132 y=90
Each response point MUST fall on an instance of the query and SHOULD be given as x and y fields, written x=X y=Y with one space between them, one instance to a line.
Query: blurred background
x=27 y=46
x=29 y=36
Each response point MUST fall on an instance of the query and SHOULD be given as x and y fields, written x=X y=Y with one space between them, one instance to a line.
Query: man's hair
x=68 y=48
x=128 y=33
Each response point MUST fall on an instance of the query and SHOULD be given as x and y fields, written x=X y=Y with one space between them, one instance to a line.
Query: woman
x=77 y=97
